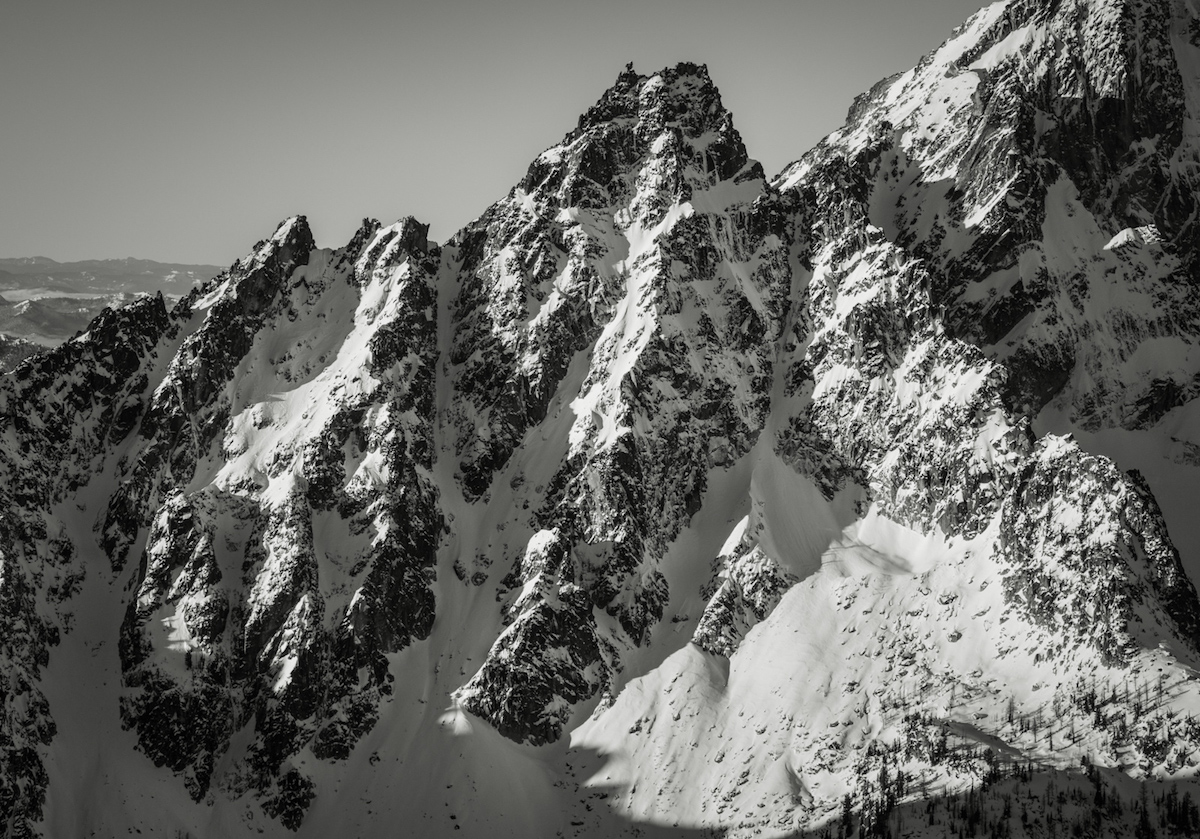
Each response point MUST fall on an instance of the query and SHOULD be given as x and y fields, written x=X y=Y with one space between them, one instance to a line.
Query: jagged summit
x=674 y=116
x=1095 y=88
x=681 y=98
x=658 y=493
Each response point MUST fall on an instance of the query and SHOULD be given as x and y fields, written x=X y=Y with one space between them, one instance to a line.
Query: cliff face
x=747 y=486
x=1043 y=164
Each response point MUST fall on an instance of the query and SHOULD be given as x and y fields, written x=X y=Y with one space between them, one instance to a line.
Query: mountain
x=15 y=350
x=48 y=321
x=46 y=302
x=102 y=276
x=664 y=497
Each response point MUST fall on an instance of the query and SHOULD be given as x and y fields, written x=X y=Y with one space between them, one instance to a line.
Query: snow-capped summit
x=661 y=495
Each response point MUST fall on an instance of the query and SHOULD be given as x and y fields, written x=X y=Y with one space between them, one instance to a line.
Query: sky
x=184 y=131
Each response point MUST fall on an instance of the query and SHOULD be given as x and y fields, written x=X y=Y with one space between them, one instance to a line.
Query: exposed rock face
x=305 y=554
x=343 y=489
x=60 y=413
x=664 y=296
x=1089 y=551
x=1009 y=157
x=748 y=587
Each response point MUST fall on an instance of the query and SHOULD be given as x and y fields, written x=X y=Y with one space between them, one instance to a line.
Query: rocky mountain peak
x=412 y=236
x=682 y=95
x=673 y=119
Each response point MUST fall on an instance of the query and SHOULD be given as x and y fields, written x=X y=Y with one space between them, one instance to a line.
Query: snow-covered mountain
x=664 y=497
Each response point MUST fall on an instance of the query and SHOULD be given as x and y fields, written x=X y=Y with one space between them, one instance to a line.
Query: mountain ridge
x=389 y=501
x=44 y=302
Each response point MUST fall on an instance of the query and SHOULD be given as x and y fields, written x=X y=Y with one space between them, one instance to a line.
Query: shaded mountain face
x=663 y=494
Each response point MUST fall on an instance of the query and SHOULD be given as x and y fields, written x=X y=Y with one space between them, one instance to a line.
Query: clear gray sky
x=184 y=130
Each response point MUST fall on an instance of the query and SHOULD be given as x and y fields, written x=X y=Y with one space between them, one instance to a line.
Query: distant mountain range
x=102 y=276
x=44 y=302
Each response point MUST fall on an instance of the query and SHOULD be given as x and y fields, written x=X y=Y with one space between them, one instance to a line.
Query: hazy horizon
x=184 y=133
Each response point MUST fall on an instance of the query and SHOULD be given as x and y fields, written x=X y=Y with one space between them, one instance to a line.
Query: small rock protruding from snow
x=1134 y=237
